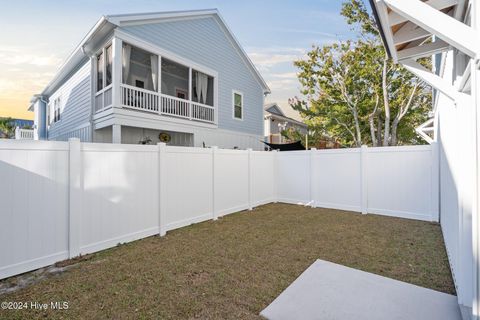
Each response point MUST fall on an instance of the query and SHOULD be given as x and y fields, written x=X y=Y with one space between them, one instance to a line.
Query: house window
x=56 y=110
x=100 y=72
x=108 y=66
x=237 y=105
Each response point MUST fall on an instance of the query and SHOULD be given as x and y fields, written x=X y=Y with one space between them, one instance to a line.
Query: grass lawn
x=234 y=267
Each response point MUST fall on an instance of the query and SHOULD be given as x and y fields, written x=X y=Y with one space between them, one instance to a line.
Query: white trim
x=233 y=104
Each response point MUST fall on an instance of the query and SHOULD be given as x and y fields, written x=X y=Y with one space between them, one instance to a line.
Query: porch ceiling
x=407 y=27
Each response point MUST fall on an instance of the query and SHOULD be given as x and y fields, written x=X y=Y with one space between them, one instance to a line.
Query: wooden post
x=74 y=196
x=162 y=188
x=364 y=182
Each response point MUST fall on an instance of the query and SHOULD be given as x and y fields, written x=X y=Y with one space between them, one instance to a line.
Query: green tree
x=356 y=94
x=7 y=129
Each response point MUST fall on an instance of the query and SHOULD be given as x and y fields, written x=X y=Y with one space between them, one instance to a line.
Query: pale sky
x=37 y=36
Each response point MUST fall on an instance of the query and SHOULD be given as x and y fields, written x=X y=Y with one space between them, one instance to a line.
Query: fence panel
x=231 y=181
x=292 y=177
x=119 y=196
x=189 y=186
x=34 y=202
x=399 y=181
x=263 y=171
x=337 y=179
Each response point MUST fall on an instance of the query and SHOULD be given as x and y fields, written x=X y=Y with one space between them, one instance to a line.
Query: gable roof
x=108 y=23
x=275 y=110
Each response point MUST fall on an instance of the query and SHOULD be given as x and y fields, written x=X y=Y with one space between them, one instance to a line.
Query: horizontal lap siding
x=204 y=42
x=75 y=107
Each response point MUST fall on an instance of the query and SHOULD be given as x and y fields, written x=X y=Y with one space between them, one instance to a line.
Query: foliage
x=7 y=128
x=355 y=93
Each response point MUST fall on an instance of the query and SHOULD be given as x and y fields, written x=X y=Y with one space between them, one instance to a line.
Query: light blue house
x=178 y=77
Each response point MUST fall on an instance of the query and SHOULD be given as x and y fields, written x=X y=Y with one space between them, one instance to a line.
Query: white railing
x=137 y=98
x=150 y=101
x=23 y=134
x=103 y=99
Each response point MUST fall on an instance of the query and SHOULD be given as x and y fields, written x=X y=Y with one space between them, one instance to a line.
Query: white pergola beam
x=409 y=32
x=395 y=18
x=422 y=51
x=432 y=79
x=383 y=15
x=459 y=35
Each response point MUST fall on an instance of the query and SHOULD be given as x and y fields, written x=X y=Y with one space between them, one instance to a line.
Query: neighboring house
x=450 y=32
x=19 y=129
x=179 y=77
x=276 y=121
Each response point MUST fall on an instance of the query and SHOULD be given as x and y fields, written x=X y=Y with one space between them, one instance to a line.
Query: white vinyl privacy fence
x=62 y=199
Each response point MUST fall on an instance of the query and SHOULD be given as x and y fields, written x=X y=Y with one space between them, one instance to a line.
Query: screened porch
x=152 y=83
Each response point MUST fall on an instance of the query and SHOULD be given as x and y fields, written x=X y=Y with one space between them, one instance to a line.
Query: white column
x=250 y=179
x=116 y=133
x=364 y=182
x=162 y=188
x=190 y=93
x=475 y=89
x=214 y=183
x=74 y=197
x=116 y=71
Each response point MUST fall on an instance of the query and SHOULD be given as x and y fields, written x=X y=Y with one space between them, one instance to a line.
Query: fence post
x=74 y=196
x=435 y=207
x=312 y=178
x=214 y=182
x=275 y=176
x=250 y=179
x=364 y=182
x=162 y=187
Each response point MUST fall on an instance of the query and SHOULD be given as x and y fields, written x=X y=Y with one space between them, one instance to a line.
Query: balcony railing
x=23 y=134
x=154 y=102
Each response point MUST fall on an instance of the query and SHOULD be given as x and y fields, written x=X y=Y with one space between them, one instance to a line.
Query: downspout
x=92 y=91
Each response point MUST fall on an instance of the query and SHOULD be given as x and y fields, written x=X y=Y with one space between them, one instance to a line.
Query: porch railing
x=23 y=134
x=154 y=102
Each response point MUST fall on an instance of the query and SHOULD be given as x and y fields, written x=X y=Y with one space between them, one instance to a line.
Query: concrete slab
x=329 y=291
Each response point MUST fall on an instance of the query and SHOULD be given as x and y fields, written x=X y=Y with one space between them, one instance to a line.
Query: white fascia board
x=382 y=11
x=395 y=18
x=438 y=23
x=422 y=51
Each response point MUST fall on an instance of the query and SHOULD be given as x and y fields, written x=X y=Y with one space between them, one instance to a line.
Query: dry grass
x=234 y=267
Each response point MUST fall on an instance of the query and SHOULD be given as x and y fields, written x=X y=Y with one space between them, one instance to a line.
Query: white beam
x=422 y=51
x=395 y=18
x=409 y=32
x=432 y=79
x=383 y=16
x=445 y=27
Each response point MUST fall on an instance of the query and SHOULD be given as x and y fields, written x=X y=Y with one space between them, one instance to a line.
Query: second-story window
x=100 y=72
x=56 y=110
x=108 y=66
